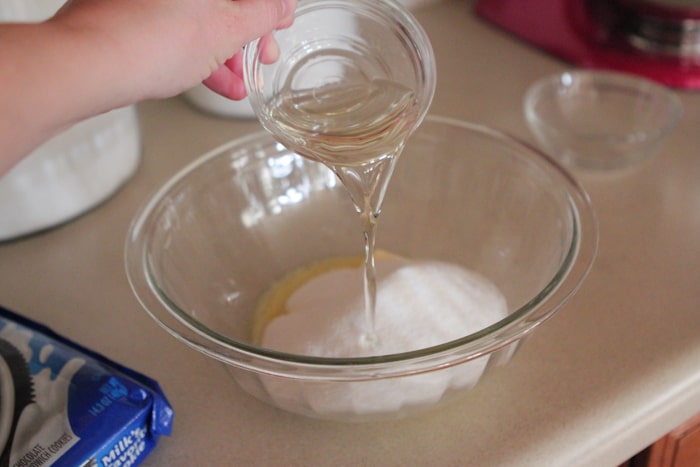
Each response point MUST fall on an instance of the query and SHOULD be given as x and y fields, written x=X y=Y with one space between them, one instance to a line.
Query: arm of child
x=97 y=55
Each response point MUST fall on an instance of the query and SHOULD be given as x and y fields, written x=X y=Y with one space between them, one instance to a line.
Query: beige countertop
x=615 y=369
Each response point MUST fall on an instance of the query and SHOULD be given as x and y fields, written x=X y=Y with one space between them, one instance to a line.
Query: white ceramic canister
x=74 y=171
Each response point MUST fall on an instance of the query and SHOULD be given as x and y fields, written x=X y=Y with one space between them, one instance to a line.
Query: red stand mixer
x=657 y=39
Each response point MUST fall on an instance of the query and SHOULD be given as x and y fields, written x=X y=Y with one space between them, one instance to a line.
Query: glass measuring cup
x=354 y=79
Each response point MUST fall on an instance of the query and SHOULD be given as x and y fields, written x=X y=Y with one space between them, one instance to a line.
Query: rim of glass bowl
x=599 y=77
x=576 y=265
x=411 y=30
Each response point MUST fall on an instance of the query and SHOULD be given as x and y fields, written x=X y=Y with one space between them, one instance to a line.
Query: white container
x=71 y=173
x=75 y=170
x=206 y=100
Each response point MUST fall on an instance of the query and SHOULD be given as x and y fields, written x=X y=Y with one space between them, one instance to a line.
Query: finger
x=228 y=79
x=255 y=18
x=226 y=82
x=288 y=18
x=235 y=64
x=269 y=49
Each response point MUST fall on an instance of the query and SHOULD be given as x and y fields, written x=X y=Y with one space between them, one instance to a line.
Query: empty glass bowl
x=203 y=251
x=600 y=120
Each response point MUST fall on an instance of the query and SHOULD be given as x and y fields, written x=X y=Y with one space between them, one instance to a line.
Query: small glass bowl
x=600 y=120
x=350 y=43
x=209 y=244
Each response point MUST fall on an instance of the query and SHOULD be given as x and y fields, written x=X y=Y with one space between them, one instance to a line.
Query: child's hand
x=169 y=46
x=97 y=55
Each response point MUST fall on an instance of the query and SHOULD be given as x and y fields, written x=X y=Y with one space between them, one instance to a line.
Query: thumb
x=255 y=18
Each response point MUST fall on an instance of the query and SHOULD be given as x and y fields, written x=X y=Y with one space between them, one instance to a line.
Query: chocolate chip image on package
x=64 y=405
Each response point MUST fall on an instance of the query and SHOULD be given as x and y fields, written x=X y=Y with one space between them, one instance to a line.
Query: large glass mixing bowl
x=208 y=245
